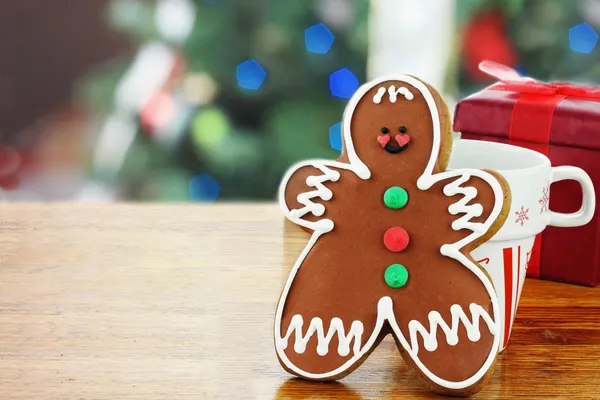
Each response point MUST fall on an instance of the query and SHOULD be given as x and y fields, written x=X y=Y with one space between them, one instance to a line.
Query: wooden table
x=176 y=302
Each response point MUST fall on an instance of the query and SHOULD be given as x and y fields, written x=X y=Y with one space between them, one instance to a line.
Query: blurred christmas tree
x=224 y=95
x=548 y=40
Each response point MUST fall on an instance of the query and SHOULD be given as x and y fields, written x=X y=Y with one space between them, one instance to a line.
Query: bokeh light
x=175 y=19
x=318 y=39
x=209 y=127
x=583 y=38
x=250 y=74
x=343 y=83
x=158 y=112
x=199 y=88
x=335 y=136
x=204 y=188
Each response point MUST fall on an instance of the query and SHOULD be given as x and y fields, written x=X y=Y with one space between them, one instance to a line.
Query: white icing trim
x=322 y=192
x=414 y=327
x=425 y=181
x=461 y=206
x=401 y=90
x=393 y=94
x=316 y=326
x=385 y=309
x=379 y=95
x=458 y=315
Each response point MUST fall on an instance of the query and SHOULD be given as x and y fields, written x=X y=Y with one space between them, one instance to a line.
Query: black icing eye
x=384 y=130
x=402 y=129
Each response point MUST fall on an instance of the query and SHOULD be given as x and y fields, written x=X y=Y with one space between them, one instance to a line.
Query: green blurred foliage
x=538 y=31
x=245 y=139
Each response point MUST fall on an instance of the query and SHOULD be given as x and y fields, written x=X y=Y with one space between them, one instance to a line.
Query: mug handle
x=588 y=205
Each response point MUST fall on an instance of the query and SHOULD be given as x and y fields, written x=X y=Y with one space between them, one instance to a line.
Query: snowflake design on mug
x=545 y=199
x=522 y=215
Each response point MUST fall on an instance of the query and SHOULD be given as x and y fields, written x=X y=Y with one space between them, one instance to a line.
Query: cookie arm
x=479 y=199
x=304 y=192
x=487 y=196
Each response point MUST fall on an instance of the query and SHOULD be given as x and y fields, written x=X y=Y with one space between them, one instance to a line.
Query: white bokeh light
x=175 y=19
x=336 y=13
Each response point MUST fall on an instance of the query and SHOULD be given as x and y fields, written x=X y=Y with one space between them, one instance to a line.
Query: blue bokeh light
x=343 y=83
x=335 y=136
x=318 y=39
x=204 y=188
x=583 y=38
x=250 y=74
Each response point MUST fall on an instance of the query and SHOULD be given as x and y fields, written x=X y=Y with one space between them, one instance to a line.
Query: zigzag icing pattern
x=323 y=340
x=458 y=315
x=321 y=191
x=415 y=328
x=470 y=211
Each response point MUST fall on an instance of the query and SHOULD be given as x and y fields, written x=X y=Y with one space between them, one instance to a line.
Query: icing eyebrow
x=401 y=90
x=393 y=94
x=379 y=95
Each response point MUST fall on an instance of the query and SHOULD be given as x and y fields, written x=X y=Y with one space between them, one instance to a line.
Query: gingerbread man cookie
x=392 y=233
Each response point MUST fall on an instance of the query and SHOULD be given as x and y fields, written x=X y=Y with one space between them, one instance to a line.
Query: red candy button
x=396 y=239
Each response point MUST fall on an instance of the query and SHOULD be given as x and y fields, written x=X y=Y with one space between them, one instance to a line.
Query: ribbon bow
x=512 y=82
x=550 y=89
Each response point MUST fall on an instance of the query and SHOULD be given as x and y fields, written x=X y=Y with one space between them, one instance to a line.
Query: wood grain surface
x=176 y=302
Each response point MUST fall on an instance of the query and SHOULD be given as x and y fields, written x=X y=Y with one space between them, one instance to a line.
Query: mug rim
x=541 y=161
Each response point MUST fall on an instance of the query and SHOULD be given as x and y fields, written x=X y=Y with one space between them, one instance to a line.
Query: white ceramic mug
x=529 y=175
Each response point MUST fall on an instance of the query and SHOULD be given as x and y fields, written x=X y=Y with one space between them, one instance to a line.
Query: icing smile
x=401 y=143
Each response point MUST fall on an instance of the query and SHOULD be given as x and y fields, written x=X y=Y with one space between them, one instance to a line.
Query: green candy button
x=396 y=276
x=395 y=197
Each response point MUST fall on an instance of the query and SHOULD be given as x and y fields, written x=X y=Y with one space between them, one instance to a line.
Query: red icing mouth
x=383 y=140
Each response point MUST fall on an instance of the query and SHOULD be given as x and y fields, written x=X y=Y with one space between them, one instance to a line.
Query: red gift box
x=562 y=121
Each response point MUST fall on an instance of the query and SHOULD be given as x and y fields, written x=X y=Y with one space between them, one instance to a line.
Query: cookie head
x=395 y=124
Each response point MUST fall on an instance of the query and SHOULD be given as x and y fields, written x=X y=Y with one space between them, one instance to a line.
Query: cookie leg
x=453 y=342
x=324 y=325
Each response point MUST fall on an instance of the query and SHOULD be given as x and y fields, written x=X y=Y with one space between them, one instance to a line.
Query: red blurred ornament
x=485 y=38
x=158 y=112
x=10 y=163
x=179 y=70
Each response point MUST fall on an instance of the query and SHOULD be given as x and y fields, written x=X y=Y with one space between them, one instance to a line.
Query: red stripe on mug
x=507 y=254
x=517 y=279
